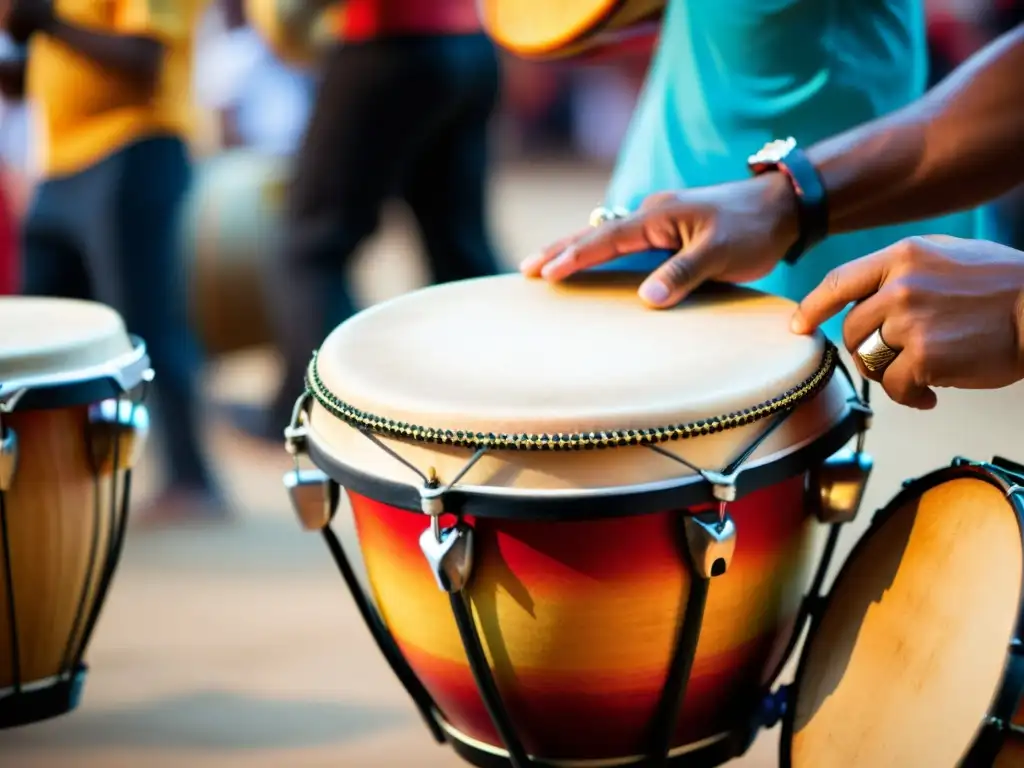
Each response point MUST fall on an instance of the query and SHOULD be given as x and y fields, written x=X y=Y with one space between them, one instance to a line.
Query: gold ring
x=875 y=353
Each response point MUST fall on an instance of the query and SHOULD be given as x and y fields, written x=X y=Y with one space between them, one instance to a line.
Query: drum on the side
x=588 y=528
x=231 y=228
x=71 y=427
x=916 y=656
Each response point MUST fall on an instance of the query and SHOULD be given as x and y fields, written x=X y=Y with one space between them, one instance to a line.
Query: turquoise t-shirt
x=730 y=75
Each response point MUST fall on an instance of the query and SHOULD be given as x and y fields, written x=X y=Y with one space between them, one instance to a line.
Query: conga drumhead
x=507 y=356
x=44 y=337
x=910 y=651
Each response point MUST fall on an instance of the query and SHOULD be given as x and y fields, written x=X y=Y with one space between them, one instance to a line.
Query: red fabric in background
x=8 y=246
x=371 y=19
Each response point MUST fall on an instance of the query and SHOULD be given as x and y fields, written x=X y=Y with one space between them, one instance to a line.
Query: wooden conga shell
x=231 y=230
x=65 y=449
x=52 y=521
x=579 y=620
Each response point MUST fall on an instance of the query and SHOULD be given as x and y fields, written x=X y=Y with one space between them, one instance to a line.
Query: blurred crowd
x=249 y=98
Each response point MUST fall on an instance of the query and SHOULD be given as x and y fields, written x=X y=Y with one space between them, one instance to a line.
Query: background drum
x=587 y=527
x=916 y=657
x=296 y=47
x=541 y=29
x=231 y=228
x=71 y=428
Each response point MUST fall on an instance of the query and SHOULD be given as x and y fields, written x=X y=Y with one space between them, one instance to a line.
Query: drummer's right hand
x=733 y=232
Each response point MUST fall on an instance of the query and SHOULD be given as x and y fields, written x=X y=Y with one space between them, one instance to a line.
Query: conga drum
x=916 y=655
x=587 y=527
x=231 y=229
x=72 y=425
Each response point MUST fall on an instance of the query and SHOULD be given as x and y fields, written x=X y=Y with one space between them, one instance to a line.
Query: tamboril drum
x=588 y=527
x=71 y=427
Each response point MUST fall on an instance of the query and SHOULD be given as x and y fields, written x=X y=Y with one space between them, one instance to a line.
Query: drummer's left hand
x=952 y=308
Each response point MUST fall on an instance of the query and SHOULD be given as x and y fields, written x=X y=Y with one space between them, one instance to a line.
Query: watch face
x=773 y=153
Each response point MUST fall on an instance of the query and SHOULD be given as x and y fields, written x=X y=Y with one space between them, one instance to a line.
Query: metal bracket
x=314 y=495
x=840 y=482
x=450 y=555
x=118 y=430
x=8 y=456
x=711 y=541
x=449 y=551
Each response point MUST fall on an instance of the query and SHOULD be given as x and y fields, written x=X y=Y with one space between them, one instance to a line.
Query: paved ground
x=239 y=646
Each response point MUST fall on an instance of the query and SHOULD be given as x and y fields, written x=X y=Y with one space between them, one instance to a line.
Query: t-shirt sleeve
x=165 y=20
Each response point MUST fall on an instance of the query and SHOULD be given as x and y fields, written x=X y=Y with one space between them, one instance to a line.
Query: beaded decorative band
x=565 y=441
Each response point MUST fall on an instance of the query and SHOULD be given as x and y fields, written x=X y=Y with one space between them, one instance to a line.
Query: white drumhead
x=911 y=650
x=41 y=337
x=507 y=355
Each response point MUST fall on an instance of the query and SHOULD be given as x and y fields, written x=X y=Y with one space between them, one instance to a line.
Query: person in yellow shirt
x=110 y=81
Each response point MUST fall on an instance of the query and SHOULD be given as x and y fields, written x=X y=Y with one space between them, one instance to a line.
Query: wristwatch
x=785 y=156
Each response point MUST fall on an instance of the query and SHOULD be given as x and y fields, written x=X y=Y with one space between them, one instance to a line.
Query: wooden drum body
x=71 y=428
x=588 y=528
x=232 y=226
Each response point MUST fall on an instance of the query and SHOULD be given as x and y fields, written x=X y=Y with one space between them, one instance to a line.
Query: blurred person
x=927 y=312
x=729 y=76
x=110 y=84
x=403 y=108
x=13 y=159
x=263 y=102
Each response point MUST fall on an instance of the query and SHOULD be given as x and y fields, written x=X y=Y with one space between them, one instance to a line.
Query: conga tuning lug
x=840 y=483
x=449 y=551
x=8 y=457
x=711 y=543
x=314 y=495
x=118 y=430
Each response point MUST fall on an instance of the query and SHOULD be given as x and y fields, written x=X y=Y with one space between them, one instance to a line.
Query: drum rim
x=994 y=472
x=578 y=441
x=591 y=504
x=78 y=386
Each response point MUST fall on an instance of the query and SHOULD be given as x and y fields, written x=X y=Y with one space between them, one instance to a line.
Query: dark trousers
x=405 y=117
x=111 y=234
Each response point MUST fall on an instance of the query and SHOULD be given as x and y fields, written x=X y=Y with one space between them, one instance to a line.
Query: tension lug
x=315 y=497
x=840 y=482
x=711 y=541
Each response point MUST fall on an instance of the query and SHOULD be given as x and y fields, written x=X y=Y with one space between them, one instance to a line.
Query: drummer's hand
x=732 y=232
x=952 y=308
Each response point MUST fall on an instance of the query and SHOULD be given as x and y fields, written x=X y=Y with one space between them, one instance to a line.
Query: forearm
x=132 y=57
x=957 y=147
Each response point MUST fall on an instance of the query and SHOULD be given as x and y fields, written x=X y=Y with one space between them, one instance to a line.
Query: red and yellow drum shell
x=579 y=620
